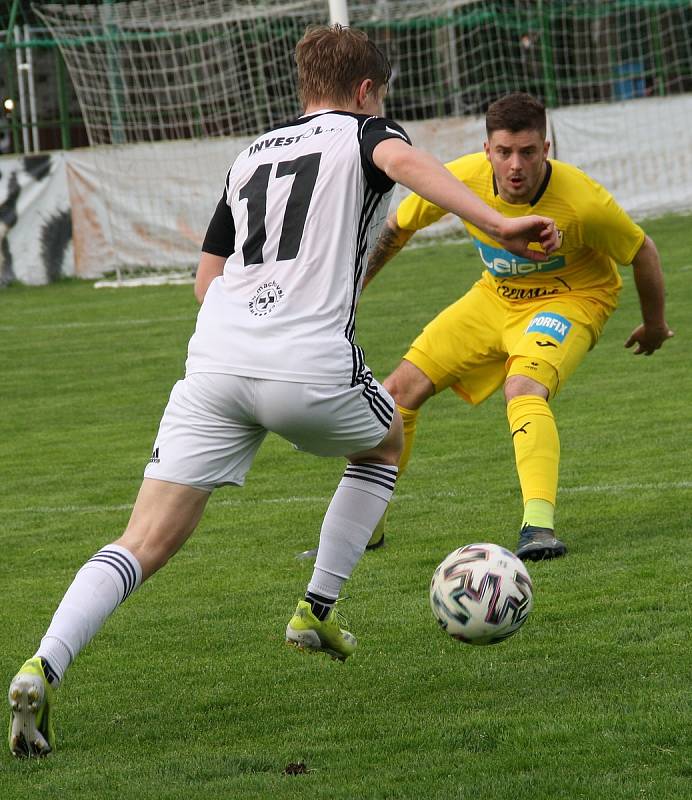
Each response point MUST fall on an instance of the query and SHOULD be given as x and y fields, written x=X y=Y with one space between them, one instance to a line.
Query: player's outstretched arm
x=648 y=278
x=391 y=239
x=428 y=177
x=210 y=267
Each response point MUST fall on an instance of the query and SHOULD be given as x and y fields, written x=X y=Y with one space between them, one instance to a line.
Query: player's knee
x=520 y=385
x=530 y=376
x=409 y=386
x=389 y=450
x=393 y=444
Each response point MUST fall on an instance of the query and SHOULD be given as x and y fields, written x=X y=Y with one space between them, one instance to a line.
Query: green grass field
x=189 y=691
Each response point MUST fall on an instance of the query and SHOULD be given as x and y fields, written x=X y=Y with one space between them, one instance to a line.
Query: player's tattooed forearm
x=387 y=246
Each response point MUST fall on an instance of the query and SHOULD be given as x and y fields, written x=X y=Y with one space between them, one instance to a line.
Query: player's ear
x=364 y=89
x=546 y=148
x=486 y=147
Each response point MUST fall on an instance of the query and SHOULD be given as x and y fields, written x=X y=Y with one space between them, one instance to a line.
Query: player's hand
x=648 y=338
x=518 y=233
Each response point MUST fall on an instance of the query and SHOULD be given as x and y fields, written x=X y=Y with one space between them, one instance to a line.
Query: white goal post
x=172 y=90
x=338 y=12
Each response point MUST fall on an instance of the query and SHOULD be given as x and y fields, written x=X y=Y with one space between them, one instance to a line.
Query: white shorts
x=214 y=424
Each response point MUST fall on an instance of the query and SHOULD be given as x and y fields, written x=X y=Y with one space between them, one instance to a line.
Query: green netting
x=169 y=69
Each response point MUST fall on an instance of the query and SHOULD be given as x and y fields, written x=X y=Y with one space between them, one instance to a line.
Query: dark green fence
x=57 y=123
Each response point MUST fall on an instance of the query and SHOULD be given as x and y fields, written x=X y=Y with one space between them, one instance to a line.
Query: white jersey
x=301 y=209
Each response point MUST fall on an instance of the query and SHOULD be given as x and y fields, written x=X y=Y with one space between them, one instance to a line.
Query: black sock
x=321 y=606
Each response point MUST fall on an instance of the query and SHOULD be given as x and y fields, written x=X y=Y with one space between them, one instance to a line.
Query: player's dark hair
x=333 y=61
x=516 y=112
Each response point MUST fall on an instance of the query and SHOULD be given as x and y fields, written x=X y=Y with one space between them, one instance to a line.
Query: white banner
x=145 y=205
x=35 y=220
x=640 y=150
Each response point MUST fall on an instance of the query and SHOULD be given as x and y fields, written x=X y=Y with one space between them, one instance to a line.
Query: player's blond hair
x=516 y=112
x=333 y=61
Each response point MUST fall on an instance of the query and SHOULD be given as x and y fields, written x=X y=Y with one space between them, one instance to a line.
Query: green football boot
x=306 y=632
x=31 y=699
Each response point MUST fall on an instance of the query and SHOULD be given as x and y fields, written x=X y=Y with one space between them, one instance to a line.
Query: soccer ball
x=481 y=594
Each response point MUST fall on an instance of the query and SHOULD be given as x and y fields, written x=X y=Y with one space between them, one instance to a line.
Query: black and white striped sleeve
x=374 y=130
x=220 y=237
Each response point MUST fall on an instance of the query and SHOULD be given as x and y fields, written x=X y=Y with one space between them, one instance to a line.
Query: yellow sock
x=536 y=448
x=409 y=417
x=539 y=513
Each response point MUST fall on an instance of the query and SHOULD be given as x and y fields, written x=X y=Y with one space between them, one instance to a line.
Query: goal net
x=172 y=90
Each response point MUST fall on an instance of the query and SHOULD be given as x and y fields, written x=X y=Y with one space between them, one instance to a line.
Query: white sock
x=359 y=502
x=100 y=586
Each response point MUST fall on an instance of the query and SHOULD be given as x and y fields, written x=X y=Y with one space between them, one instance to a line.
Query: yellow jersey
x=596 y=233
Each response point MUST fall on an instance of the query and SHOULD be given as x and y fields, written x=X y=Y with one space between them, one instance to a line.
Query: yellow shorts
x=474 y=344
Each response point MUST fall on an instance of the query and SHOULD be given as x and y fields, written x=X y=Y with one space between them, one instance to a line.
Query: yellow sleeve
x=415 y=213
x=607 y=228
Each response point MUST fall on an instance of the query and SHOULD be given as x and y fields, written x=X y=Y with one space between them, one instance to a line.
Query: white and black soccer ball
x=481 y=593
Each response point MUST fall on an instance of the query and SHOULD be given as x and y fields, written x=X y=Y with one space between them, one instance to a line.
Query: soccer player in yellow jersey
x=524 y=325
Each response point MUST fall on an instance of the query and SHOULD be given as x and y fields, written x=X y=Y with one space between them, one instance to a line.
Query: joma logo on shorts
x=503 y=264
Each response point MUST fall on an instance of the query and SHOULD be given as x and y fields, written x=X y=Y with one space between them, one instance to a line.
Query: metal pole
x=547 y=56
x=12 y=77
x=658 y=53
x=63 y=102
x=21 y=69
x=35 y=142
x=115 y=78
x=10 y=24
x=338 y=12
x=454 y=77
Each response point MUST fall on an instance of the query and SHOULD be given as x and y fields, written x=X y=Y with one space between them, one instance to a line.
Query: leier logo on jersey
x=504 y=264
x=267 y=297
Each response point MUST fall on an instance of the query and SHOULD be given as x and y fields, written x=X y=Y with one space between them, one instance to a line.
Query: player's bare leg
x=164 y=516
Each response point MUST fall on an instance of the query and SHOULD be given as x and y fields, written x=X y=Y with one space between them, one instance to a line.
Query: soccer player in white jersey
x=274 y=350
